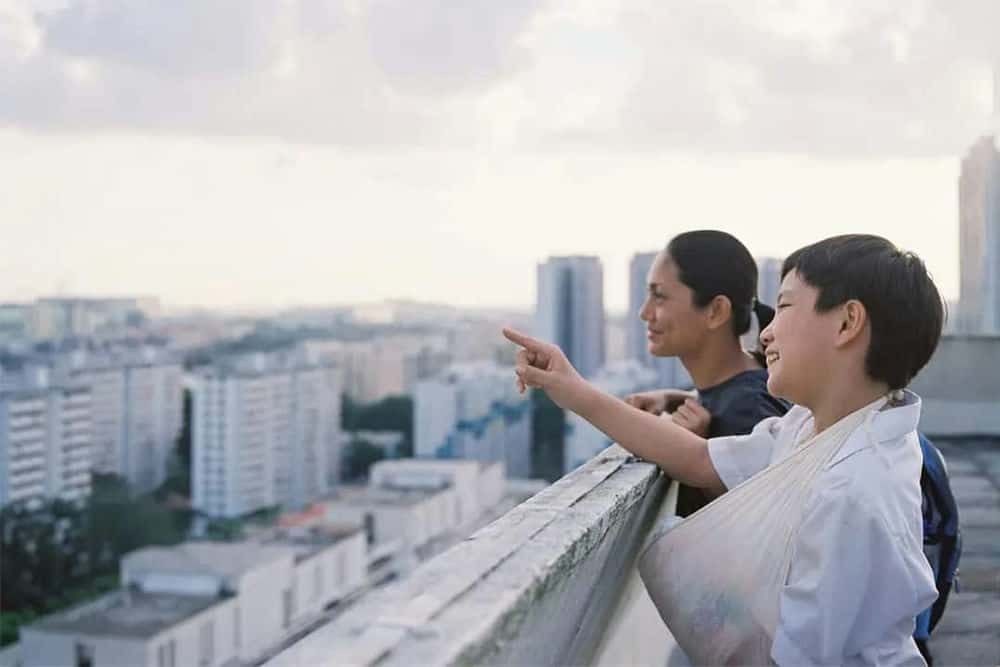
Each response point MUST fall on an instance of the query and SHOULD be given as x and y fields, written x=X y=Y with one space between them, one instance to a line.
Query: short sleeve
x=850 y=587
x=737 y=458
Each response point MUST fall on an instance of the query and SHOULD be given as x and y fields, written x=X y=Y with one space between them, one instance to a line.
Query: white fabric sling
x=716 y=577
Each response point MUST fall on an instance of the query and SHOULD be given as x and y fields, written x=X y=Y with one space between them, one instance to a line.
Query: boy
x=856 y=320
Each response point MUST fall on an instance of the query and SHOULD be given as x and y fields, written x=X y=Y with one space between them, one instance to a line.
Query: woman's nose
x=644 y=311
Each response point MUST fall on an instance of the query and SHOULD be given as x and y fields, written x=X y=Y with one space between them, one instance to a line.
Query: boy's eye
x=783 y=305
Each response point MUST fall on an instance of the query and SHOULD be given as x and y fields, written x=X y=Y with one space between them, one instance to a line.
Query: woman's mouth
x=772 y=357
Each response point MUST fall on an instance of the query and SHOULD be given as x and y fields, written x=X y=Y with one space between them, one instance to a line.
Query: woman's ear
x=720 y=311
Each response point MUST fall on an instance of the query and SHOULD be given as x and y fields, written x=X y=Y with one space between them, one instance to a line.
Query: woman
x=857 y=320
x=701 y=298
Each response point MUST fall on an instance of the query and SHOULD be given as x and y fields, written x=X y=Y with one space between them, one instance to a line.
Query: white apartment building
x=583 y=440
x=266 y=432
x=205 y=604
x=45 y=437
x=412 y=507
x=58 y=318
x=137 y=399
x=473 y=411
x=373 y=370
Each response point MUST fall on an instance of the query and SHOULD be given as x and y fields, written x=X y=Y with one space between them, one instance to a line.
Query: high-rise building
x=373 y=370
x=45 y=437
x=14 y=322
x=137 y=403
x=473 y=411
x=768 y=279
x=979 y=238
x=58 y=318
x=266 y=427
x=570 y=309
x=670 y=372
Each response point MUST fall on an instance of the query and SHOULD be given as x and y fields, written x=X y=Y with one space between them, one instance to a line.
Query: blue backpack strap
x=941 y=527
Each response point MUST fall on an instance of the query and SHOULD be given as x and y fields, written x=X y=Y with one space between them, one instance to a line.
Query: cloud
x=837 y=78
x=823 y=77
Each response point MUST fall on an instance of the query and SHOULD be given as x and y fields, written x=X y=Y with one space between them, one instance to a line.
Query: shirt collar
x=887 y=424
x=892 y=422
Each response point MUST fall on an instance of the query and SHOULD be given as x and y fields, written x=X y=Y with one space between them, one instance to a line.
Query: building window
x=84 y=655
x=206 y=644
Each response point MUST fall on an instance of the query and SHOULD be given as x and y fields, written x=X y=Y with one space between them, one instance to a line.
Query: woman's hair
x=713 y=263
x=903 y=304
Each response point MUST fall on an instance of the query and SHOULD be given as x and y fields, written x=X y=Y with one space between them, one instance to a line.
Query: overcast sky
x=285 y=152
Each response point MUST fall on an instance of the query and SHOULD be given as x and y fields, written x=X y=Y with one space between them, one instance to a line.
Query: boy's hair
x=903 y=304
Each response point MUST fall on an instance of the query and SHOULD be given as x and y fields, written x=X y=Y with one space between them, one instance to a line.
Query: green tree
x=393 y=413
x=60 y=554
x=358 y=457
x=178 y=479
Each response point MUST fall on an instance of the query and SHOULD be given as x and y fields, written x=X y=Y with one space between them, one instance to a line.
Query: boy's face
x=800 y=342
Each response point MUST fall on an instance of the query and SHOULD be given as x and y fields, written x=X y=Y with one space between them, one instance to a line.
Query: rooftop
x=969 y=633
x=307 y=542
x=128 y=613
x=224 y=559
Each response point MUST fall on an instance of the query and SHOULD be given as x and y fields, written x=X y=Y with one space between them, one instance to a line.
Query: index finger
x=524 y=340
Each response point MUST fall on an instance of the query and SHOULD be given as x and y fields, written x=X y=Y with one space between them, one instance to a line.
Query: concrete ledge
x=534 y=587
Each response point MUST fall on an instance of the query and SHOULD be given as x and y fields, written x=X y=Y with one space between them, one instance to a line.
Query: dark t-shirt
x=739 y=403
x=736 y=406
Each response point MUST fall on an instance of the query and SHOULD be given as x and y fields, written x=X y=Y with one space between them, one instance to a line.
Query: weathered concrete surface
x=537 y=586
x=969 y=633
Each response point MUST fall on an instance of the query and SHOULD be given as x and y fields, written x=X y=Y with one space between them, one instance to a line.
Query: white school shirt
x=858 y=574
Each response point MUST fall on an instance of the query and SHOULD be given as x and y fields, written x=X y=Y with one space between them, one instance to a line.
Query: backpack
x=942 y=537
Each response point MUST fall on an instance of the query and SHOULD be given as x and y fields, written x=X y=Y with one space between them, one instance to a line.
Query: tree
x=393 y=413
x=178 y=479
x=359 y=456
x=60 y=554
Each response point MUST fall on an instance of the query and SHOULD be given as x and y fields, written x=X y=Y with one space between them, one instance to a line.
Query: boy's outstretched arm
x=680 y=453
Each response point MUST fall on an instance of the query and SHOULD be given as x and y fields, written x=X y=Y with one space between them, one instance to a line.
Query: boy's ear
x=853 y=318
x=720 y=309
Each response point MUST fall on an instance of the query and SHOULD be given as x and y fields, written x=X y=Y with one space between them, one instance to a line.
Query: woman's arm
x=680 y=453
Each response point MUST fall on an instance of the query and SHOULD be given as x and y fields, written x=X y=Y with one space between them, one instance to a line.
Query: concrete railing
x=551 y=582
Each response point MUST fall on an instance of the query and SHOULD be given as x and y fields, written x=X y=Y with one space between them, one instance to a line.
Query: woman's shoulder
x=741 y=403
x=748 y=391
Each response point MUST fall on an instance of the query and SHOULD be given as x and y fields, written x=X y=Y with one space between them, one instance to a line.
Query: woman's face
x=674 y=327
x=798 y=342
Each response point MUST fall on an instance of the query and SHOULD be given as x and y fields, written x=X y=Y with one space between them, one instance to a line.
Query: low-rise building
x=205 y=603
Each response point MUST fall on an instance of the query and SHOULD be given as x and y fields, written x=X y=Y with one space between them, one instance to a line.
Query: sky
x=275 y=153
